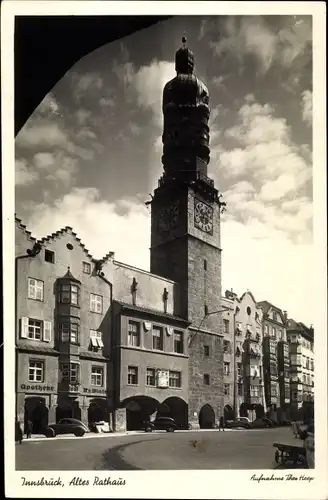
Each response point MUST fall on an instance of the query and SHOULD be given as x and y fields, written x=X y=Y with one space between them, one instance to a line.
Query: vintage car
x=262 y=423
x=66 y=426
x=161 y=424
x=241 y=422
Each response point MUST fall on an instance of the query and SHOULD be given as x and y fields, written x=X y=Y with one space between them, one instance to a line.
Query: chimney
x=285 y=315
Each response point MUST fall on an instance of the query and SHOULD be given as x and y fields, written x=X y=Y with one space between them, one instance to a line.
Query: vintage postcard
x=165 y=272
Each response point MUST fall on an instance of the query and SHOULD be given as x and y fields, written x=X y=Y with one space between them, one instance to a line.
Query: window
x=174 y=379
x=70 y=372
x=280 y=335
x=178 y=342
x=226 y=346
x=96 y=339
x=35 y=289
x=49 y=256
x=273 y=332
x=206 y=379
x=34 y=329
x=132 y=375
x=239 y=369
x=249 y=310
x=206 y=350
x=226 y=368
x=226 y=389
x=36 y=371
x=97 y=376
x=226 y=326
x=96 y=303
x=274 y=316
x=266 y=330
x=240 y=390
x=205 y=265
x=86 y=267
x=205 y=309
x=272 y=347
x=286 y=350
x=70 y=332
x=255 y=390
x=151 y=377
x=134 y=334
x=273 y=390
x=158 y=338
x=69 y=294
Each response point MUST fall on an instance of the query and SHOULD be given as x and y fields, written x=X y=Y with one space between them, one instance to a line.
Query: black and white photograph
x=165 y=284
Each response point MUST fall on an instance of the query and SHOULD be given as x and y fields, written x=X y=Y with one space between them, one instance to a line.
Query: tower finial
x=184 y=41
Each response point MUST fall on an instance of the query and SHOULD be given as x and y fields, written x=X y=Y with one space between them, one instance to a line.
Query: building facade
x=243 y=369
x=301 y=341
x=63 y=348
x=275 y=361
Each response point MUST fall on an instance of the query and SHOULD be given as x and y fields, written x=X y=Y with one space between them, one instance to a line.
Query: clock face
x=203 y=216
x=168 y=216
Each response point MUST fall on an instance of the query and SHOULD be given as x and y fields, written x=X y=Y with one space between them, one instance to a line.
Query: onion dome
x=186 y=114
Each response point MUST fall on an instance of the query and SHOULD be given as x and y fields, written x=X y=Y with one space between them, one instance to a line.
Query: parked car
x=161 y=424
x=66 y=426
x=262 y=423
x=242 y=422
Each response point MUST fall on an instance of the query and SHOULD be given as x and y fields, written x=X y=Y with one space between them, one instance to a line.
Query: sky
x=90 y=154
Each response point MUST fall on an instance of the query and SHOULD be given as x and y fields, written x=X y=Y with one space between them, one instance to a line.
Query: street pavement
x=251 y=449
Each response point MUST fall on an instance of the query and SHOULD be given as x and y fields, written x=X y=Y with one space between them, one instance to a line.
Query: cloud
x=23 y=175
x=264 y=149
x=83 y=84
x=257 y=36
x=146 y=84
x=270 y=266
x=127 y=224
x=41 y=134
x=307 y=107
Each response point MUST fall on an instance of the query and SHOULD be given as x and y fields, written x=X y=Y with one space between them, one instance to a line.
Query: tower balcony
x=185 y=176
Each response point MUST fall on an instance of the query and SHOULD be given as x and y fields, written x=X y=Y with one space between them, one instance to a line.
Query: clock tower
x=185 y=233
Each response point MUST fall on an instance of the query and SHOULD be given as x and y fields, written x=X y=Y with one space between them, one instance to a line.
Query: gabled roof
x=266 y=306
x=61 y=232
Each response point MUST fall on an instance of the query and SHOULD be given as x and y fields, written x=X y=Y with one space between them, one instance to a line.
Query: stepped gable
x=67 y=230
x=109 y=255
x=23 y=228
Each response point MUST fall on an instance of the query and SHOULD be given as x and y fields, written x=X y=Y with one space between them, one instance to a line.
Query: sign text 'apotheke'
x=41 y=388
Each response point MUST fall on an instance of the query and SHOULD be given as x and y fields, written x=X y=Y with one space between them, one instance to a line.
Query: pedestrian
x=29 y=429
x=18 y=432
x=307 y=435
x=221 y=423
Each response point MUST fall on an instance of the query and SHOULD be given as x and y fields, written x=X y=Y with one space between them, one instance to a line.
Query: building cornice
x=151 y=313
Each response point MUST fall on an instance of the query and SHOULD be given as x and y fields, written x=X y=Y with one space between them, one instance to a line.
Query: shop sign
x=94 y=390
x=162 y=378
x=37 y=387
